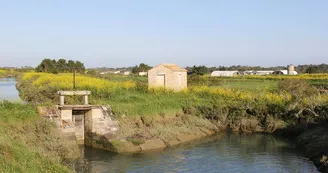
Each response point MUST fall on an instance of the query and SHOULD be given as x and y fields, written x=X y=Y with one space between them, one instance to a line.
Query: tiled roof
x=174 y=67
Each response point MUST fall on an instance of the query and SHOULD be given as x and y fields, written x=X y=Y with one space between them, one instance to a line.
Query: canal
x=225 y=152
x=8 y=89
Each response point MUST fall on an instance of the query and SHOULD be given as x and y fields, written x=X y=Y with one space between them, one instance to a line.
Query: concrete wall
x=66 y=115
x=93 y=127
x=171 y=78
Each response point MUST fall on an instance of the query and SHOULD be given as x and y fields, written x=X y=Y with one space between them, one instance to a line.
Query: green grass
x=137 y=103
x=250 y=84
x=122 y=78
x=27 y=143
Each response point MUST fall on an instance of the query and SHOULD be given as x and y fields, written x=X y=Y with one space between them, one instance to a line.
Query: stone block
x=97 y=113
x=66 y=114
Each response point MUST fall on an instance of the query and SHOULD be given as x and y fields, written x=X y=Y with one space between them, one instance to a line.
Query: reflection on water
x=8 y=89
x=218 y=153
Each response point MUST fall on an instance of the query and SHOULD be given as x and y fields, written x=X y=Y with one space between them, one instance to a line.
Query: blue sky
x=185 y=32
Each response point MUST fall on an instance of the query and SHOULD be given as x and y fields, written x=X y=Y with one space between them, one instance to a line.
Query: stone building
x=169 y=76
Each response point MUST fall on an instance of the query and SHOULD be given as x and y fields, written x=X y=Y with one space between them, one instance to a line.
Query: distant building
x=169 y=76
x=110 y=72
x=225 y=73
x=143 y=73
x=290 y=71
x=244 y=73
x=126 y=73
x=263 y=72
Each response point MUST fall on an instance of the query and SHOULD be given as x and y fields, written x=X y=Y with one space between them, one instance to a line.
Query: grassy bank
x=30 y=144
x=268 y=108
x=7 y=73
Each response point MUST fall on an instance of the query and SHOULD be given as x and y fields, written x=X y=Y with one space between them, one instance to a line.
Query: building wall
x=171 y=79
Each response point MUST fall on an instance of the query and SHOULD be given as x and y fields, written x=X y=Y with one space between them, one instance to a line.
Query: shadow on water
x=225 y=152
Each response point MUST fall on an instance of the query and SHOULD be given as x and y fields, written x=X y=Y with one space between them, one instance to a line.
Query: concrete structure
x=143 y=73
x=224 y=73
x=169 y=76
x=86 y=123
x=126 y=73
x=62 y=95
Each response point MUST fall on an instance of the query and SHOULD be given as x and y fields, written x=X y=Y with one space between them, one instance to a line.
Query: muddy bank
x=138 y=134
x=142 y=133
x=311 y=139
x=314 y=143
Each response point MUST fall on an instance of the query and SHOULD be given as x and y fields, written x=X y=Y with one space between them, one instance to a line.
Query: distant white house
x=110 y=72
x=285 y=72
x=225 y=73
x=126 y=73
x=143 y=73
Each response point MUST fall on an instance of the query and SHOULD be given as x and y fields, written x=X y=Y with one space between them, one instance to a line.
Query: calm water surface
x=219 y=153
x=8 y=89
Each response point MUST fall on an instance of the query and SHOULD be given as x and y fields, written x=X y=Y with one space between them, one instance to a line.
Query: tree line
x=64 y=66
x=60 y=66
x=201 y=70
x=141 y=68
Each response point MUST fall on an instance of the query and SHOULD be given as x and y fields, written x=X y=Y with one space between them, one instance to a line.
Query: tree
x=312 y=69
x=199 y=70
x=141 y=68
x=79 y=67
x=47 y=65
x=60 y=66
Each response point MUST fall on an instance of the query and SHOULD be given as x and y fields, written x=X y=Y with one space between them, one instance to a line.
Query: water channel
x=8 y=89
x=224 y=152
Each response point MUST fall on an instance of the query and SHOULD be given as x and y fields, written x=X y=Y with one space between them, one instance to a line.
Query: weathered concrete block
x=97 y=113
x=66 y=114
x=70 y=93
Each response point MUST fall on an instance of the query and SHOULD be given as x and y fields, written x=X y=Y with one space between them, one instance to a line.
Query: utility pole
x=74 y=87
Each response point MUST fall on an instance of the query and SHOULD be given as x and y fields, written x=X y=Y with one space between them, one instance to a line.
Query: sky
x=118 y=33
